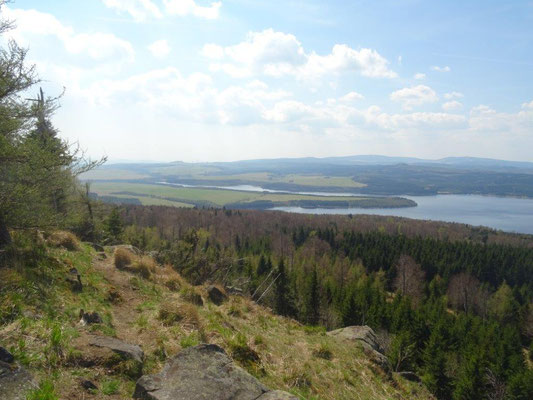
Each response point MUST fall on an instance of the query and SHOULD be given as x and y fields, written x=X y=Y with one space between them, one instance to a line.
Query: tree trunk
x=5 y=237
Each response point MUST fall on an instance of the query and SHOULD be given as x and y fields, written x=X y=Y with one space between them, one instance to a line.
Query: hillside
x=45 y=283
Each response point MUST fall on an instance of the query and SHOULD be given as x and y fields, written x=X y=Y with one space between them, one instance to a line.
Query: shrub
x=123 y=258
x=64 y=239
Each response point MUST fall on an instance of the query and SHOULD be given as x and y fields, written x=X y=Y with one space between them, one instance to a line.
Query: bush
x=123 y=258
x=64 y=239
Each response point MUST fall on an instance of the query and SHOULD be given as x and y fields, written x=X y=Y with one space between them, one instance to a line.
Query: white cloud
x=422 y=120
x=213 y=51
x=452 y=105
x=278 y=54
x=485 y=119
x=414 y=96
x=419 y=76
x=441 y=69
x=453 y=95
x=140 y=10
x=98 y=46
x=159 y=48
x=189 y=7
x=349 y=97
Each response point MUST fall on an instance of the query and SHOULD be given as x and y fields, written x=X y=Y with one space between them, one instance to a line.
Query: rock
x=410 y=376
x=15 y=382
x=358 y=333
x=88 y=385
x=202 y=372
x=74 y=279
x=216 y=295
x=90 y=317
x=125 y=350
x=6 y=356
x=277 y=395
x=367 y=338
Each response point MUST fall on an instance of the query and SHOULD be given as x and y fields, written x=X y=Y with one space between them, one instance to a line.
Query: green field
x=151 y=194
x=297 y=179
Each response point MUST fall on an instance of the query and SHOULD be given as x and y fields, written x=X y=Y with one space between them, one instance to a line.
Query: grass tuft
x=123 y=258
x=64 y=239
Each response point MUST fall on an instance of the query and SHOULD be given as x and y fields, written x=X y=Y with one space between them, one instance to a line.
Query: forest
x=450 y=303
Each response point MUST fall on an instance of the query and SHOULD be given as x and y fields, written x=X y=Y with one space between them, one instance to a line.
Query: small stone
x=88 y=385
x=90 y=317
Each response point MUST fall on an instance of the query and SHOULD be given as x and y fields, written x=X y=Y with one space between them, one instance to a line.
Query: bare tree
x=462 y=291
x=409 y=279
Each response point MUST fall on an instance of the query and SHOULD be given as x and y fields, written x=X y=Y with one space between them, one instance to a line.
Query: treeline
x=449 y=302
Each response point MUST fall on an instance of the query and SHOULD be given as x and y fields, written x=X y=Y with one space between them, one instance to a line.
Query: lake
x=505 y=213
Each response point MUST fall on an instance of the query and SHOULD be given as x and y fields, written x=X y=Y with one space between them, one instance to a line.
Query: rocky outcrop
x=204 y=372
x=367 y=338
x=216 y=295
x=15 y=381
x=125 y=350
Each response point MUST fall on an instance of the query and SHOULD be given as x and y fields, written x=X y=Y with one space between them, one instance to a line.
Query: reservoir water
x=505 y=213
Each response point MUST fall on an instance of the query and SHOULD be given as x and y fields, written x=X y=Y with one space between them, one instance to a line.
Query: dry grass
x=185 y=314
x=64 y=239
x=123 y=258
x=163 y=315
x=145 y=266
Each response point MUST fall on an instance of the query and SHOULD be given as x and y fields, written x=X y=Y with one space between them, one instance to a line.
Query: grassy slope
x=39 y=324
x=216 y=197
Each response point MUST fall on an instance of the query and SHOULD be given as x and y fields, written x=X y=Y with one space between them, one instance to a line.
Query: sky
x=197 y=80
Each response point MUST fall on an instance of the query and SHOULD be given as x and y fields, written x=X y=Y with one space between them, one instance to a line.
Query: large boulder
x=368 y=340
x=15 y=382
x=203 y=372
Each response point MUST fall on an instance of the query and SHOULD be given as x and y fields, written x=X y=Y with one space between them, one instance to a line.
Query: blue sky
x=198 y=80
